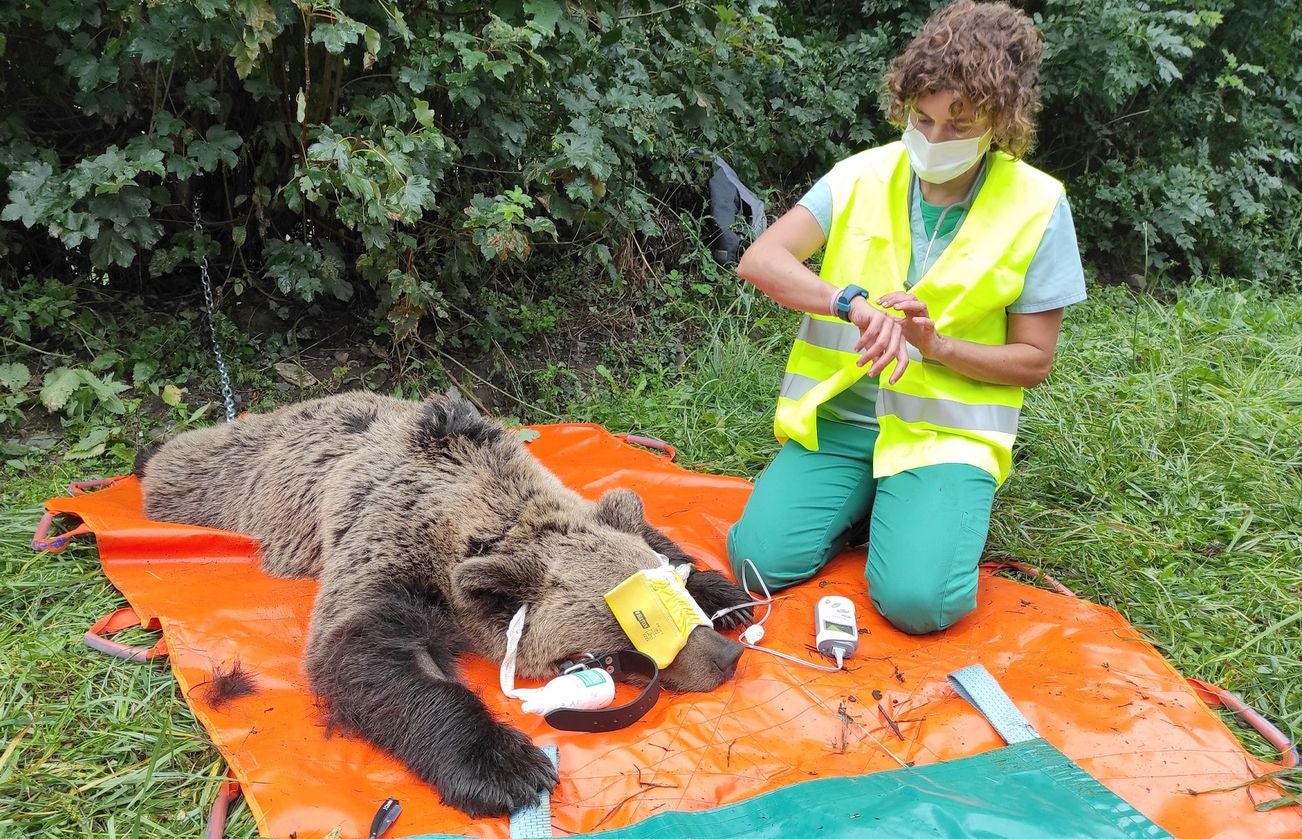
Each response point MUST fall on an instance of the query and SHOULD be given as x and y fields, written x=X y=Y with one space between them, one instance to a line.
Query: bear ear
x=622 y=509
x=500 y=583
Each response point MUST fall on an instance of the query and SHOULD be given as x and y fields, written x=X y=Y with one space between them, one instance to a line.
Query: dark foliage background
x=429 y=159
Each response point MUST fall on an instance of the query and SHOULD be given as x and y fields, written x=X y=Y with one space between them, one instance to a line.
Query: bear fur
x=426 y=527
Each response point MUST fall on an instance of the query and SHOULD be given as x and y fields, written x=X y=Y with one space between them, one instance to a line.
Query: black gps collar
x=621 y=716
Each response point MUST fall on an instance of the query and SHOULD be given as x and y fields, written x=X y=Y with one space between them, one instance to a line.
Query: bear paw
x=714 y=592
x=496 y=774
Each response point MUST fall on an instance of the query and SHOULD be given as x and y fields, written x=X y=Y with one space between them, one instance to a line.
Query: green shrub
x=420 y=156
x=426 y=153
x=1178 y=126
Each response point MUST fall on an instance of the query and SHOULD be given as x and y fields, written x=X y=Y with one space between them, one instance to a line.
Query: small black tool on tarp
x=384 y=818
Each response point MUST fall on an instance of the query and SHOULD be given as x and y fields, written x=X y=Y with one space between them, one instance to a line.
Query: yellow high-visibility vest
x=933 y=414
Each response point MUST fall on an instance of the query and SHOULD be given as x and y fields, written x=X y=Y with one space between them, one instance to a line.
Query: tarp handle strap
x=650 y=443
x=975 y=684
x=97 y=636
x=1218 y=697
x=226 y=795
x=1031 y=571
x=42 y=541
x=535 y=822
x=81 y=487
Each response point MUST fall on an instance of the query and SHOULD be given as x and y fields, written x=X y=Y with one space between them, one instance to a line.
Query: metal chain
x=228 y=395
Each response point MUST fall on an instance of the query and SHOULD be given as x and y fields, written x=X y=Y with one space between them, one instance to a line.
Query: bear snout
x=708 y=660
x=726 y=658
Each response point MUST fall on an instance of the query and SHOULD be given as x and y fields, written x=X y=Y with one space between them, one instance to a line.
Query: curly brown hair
x=989 y=54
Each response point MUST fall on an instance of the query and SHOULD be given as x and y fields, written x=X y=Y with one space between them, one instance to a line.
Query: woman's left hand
x=918 y=327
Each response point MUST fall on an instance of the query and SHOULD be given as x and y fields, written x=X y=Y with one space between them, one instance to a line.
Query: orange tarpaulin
x=1079 y=672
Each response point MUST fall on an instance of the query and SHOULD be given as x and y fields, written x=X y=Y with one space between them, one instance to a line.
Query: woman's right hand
x=881 y=340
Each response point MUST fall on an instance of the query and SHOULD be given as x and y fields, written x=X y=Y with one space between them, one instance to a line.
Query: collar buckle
x=585 y=661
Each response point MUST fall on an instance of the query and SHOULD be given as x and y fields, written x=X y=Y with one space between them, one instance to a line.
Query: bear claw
x=714 y=592
x=497 y=775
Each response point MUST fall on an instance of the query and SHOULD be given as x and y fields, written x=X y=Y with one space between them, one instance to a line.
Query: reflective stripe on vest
x=946 y=413
x=933 y=414
x=832 y=334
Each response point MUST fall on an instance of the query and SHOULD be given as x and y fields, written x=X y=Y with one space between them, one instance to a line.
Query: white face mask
x=937 y=163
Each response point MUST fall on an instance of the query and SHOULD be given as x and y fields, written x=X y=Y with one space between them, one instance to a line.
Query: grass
x=1160 y=473
x=89 y=746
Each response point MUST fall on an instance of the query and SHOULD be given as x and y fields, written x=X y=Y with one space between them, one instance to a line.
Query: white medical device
x=837 y=636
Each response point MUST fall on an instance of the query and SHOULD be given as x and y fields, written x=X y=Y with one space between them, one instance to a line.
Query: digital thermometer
x=837 y=635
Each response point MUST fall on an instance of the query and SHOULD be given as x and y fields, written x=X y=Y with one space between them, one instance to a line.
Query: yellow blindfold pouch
x=656 y=612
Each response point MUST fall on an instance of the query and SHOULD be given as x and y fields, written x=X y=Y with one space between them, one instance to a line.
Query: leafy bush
x=426 y=152
x=77 y=364
x=434 y=157
x=1176 y=124
x=1179 y=128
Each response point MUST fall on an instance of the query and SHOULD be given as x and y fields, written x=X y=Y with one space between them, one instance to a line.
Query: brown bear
x=427 y=526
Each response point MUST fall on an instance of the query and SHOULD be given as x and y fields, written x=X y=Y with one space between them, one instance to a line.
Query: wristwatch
x=845 y=298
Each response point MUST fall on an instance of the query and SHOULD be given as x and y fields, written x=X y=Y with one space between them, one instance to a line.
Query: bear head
x=560 y=566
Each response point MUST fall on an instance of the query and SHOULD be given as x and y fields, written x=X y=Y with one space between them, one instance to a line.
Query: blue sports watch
x=846 y=297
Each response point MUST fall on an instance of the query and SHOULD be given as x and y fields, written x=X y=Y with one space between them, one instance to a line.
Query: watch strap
x=846 y=298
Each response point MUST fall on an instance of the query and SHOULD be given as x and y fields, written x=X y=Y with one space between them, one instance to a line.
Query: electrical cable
x=753 y=634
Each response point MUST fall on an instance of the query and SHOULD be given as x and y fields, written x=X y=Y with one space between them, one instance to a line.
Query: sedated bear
x=427 y=526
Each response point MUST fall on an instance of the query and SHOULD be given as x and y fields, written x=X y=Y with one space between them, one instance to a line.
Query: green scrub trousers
x=925 y=527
